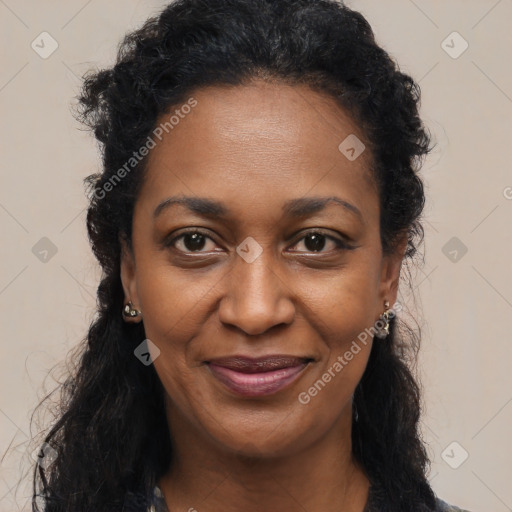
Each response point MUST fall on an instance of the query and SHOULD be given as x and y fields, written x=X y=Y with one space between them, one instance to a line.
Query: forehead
x=266 y=142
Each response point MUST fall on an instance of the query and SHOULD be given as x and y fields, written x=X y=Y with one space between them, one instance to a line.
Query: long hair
x=111 y=437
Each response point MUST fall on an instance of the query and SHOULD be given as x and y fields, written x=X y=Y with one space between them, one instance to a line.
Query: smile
x=256 y=384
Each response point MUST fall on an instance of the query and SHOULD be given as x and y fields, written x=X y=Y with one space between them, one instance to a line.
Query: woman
x=258 y=199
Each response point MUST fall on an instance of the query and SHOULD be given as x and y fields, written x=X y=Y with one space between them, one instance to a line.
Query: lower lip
x=256 y=384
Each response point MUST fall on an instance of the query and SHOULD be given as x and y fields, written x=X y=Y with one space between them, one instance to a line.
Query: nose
x=255 y=297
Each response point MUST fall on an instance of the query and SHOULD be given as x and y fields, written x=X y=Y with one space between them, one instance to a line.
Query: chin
x=264 y=441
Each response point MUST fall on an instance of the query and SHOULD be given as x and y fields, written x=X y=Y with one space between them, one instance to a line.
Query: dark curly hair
x=111 y=437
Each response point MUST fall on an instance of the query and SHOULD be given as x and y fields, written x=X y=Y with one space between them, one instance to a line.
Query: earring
x=356 y=414
x=383 y=332
x=130 y=312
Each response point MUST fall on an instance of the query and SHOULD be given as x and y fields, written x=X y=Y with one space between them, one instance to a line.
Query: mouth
x=252 y=377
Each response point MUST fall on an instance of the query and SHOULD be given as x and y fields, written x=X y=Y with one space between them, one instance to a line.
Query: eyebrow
x=299 y=207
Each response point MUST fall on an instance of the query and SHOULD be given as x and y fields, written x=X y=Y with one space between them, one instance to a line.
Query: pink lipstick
x=257 y=376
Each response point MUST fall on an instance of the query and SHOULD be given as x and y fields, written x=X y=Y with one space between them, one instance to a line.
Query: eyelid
x=170 y=239
x=342 y=242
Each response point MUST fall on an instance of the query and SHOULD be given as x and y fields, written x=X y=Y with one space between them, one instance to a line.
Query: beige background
x=466 y=304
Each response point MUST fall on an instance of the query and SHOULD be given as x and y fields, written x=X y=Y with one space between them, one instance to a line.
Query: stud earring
x=382 y=331
x=130 y=312
x=356 y=414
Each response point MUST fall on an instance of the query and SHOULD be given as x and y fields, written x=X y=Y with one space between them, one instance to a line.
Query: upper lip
x=247 y=364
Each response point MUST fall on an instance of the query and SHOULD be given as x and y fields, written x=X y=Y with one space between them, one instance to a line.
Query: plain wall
x=463 y=300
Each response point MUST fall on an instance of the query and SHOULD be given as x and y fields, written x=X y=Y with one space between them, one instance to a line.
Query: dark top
x=159 y=504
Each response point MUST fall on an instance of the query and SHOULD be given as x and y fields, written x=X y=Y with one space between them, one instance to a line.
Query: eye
x=192 y=241
x=195 y=241
x=315 y=241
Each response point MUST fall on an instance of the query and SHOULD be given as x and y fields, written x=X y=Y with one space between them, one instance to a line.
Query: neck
x=322 y=477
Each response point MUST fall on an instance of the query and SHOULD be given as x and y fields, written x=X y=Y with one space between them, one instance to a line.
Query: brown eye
x=191 y=241
x=194 y=241
x=315 y=241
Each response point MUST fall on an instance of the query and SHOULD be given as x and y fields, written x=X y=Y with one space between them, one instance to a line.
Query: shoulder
x=442 y=506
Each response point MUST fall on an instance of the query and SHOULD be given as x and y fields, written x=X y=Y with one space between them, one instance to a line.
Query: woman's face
x=265 y=275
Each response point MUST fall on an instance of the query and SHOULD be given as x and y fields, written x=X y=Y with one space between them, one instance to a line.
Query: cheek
x=329 y=388
x=172 y=303
x=328 y=395
x=344 y=307
x=171 y=323
x=175 y=311
x=343 y=315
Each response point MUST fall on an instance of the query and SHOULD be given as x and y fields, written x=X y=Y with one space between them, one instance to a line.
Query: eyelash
x=340 y=244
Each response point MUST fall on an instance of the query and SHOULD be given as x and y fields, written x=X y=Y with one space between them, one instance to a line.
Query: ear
x=390 y=272
x=128 y=278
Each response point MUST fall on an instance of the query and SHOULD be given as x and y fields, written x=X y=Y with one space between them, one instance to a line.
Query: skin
x=254 y=147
